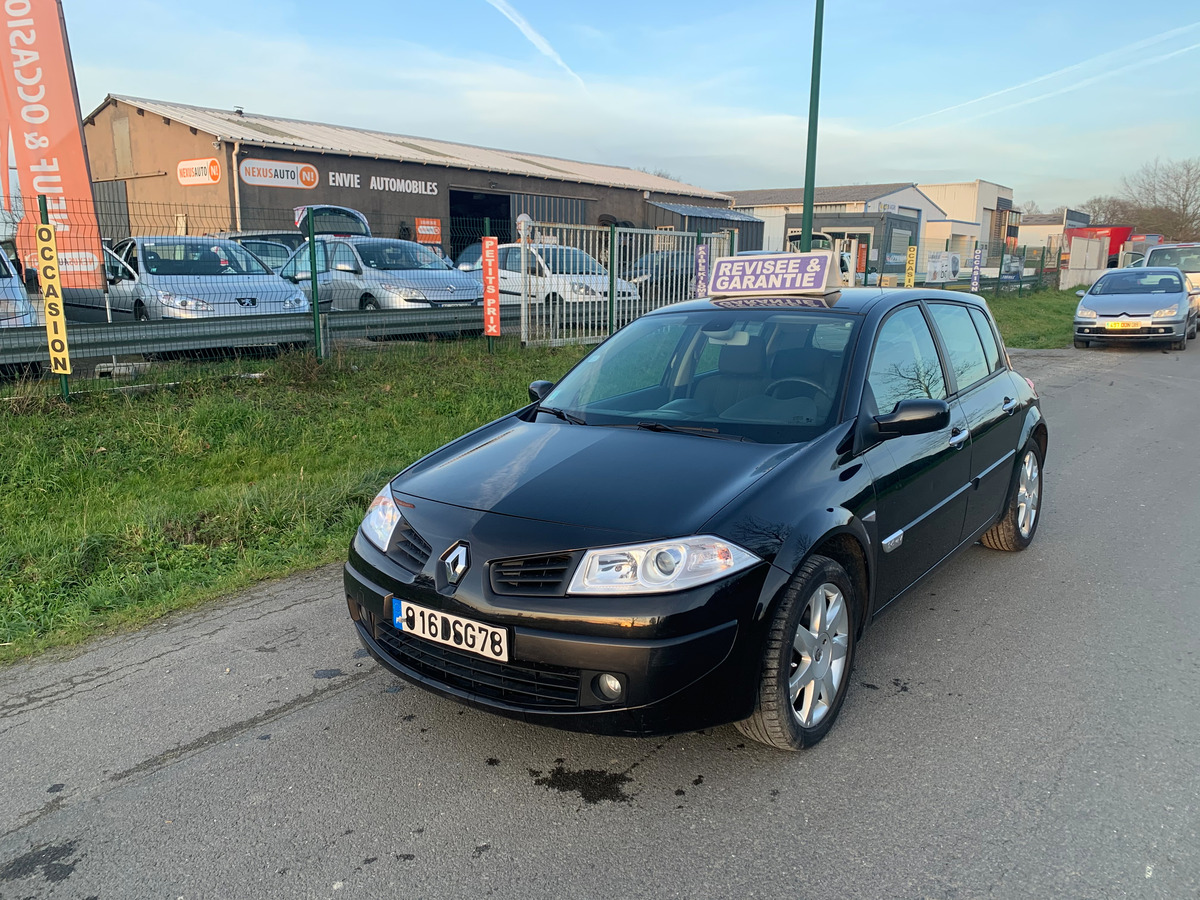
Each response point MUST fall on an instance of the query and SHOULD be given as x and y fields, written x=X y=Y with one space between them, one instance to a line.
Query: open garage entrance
x=474 y=213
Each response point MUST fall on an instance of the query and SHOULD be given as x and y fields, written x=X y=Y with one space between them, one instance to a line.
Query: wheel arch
x=844 y=540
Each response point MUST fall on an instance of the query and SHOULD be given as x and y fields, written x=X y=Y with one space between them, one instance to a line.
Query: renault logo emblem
x=456 y=560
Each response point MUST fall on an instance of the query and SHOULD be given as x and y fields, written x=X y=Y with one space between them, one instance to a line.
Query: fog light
x=608 y=686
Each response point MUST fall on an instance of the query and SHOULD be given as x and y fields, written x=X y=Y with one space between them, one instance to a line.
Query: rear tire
x=807 y=658
x=1016 y=529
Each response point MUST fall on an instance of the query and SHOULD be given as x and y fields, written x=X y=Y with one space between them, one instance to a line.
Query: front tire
x=1082 y=345
x=1180 y=344
x=807 y=659
x=1016 y=529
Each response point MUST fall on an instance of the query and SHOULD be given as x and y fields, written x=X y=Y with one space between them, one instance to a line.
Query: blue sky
x=1057 y=100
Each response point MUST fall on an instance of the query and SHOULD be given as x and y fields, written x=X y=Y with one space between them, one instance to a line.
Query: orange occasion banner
x=47 y=140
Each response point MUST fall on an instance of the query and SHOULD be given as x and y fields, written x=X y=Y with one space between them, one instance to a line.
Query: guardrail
x=25 y=346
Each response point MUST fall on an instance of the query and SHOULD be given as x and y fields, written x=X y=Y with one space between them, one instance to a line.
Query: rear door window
x=963 y=345
x=991 y=349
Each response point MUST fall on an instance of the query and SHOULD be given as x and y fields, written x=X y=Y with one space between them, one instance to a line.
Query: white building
x=976 y=212
x=779 y=207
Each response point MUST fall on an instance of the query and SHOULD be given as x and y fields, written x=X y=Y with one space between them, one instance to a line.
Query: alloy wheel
x=1029 y=489
x=819 y=651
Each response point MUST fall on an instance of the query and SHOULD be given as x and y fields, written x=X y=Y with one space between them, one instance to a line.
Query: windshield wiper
x=689 y=429
x=561 y=414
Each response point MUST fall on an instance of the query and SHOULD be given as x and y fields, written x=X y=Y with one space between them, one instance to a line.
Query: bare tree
x=1166 y=195
x=1109 y=210
x=1059 y=211
x=1030 y=208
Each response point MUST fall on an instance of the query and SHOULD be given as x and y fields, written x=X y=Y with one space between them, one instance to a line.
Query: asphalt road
x=1024 y=725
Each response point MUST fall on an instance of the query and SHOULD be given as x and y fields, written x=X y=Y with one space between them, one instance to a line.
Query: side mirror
x=114 y=278
x=301 y=275
x=539 y=389
x=346 y=267
x=1080 y=293
x=919 y=416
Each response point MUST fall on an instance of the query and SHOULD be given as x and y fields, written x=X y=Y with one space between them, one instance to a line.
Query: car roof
x=856 y=301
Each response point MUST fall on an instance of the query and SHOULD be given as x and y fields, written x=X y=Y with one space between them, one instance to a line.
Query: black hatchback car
x=696 y=524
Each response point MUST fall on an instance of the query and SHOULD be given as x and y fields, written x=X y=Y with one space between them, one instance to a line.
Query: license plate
x=468 y=635
x=1124 y=324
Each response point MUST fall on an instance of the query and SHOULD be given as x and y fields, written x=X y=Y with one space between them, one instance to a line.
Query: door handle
x=958 y=437
x=1010 y=405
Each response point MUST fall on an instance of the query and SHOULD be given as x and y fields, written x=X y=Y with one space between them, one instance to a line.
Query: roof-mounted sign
x=771 y=273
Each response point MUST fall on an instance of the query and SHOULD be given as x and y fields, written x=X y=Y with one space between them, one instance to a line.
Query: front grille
x=409 y=548
x=524 y=684
x=532 y=576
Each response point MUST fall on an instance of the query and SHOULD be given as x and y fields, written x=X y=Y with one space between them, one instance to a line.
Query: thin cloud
x=505 y=9
x=1111 y=54
x=1087 y=82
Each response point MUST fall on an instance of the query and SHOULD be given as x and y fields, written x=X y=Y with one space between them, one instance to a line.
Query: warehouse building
x=189 y=169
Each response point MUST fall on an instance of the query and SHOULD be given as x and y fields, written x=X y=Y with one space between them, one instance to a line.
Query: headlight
x=1084 y=313
x=659 y=567
x=404 y=293
x=178 y=301
x=579 y=287
x=297 y=302
x=382 y=518
x=1169 y=311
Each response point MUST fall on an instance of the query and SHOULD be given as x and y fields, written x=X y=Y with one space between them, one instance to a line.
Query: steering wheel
x=795 y=379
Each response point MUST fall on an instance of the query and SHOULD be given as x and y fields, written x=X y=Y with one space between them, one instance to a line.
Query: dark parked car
x=695 y=526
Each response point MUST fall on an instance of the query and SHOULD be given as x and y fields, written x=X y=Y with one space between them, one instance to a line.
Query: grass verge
x=1038 y=321
x=118 y=508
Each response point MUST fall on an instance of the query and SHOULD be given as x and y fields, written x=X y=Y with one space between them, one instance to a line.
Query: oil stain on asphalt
x=593 y=785
x=53 y=859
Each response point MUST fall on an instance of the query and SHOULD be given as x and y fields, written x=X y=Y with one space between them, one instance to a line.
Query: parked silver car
x=381 y=273
x=153 y=278
x=1138 y=304
x=15 y=309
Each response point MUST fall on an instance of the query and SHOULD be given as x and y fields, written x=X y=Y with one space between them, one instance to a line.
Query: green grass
x=118 y=508
x=1040 y=321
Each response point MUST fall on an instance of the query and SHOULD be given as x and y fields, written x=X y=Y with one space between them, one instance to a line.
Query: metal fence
x=181 y=293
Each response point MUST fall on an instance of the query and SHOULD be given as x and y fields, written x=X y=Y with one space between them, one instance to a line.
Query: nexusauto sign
x=271 y=173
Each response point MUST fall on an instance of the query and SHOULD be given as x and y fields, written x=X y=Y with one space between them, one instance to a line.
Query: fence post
x=612 y=278
x=487 y=232
x=62 y=379
x=312 y=269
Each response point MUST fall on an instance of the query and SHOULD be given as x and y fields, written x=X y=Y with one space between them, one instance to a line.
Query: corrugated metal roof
x=294 y=134
x=705 y=212
x=844 y=193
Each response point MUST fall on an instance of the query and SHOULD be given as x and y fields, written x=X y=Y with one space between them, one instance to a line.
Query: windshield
x=274 y=255
x=199 y=256
x=384 y=254
x=1138 y=283
x=1185 y=258
x=772 y=376
x=569 y=261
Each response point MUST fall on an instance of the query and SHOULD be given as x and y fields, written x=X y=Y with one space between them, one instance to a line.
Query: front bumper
x=1155 y=330
x=689 y=660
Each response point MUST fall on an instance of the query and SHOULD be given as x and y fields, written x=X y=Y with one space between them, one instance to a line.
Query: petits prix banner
x=40 y=120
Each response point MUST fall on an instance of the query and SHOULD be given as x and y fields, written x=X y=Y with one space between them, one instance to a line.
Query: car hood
x=419 y=278
x=223 y=287
x=617 y=479
x=1133 y=304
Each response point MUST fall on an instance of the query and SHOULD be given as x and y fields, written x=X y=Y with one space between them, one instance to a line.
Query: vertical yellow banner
x=910 y=267
x=56 y=320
